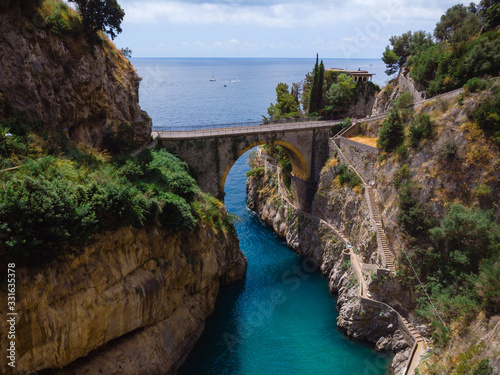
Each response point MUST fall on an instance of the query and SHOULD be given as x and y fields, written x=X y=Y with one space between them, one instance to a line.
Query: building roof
x=358 y=72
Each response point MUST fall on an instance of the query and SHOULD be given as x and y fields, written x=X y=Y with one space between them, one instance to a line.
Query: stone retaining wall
x=361 y=156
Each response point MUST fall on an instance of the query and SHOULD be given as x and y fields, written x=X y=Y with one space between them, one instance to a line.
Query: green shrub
x=256 y=172
x=448 y=150
x=391 y=135
x=118 y=204
x=42 y=219
x=404 y=105
x=443 y=67
x=176 y=213
x=488 y=284
x=423 y=127
x=476 y=84
x=415 y=215
x=345 y=265
x=487 y=115
x=168 y=173
x=131 y=171
x=402 y=151
x=62 y=19
x=465 y=237
x=211 y=213
x=404 y=101
x=461 y=269
x=483 y=368
x=452 y=305
x=52 y=204
x=348 y=177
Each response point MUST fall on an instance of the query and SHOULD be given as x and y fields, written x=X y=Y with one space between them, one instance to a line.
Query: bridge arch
x=300 y=167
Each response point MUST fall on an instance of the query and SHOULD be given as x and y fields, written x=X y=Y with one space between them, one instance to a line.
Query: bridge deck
x=243 y=130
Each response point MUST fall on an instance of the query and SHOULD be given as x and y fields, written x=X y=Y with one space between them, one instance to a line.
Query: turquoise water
x=282 y=318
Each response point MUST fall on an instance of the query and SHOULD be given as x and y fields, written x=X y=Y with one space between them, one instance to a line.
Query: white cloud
x=306 y=14
x=217 y=27
x=275 y=16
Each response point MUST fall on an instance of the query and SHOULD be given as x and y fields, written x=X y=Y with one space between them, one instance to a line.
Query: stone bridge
x=211 y=153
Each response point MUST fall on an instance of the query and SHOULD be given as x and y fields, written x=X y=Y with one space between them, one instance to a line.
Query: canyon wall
x=133 y=302
x=55 y=78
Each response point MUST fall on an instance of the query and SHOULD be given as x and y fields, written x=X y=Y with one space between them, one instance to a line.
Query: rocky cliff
x=51 y=75
x=364 y=98
x=133 y=302
x=383 y=101
x=457 y=163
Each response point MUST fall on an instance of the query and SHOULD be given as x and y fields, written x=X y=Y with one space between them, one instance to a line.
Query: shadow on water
x=281 y=319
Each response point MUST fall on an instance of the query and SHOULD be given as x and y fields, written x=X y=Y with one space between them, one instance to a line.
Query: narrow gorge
x=316 y=237
x=354 y=230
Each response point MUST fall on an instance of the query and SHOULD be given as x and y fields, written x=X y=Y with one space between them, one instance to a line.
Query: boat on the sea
x=212 y=79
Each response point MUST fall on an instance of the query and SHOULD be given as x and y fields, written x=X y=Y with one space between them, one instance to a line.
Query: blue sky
x=273 y=28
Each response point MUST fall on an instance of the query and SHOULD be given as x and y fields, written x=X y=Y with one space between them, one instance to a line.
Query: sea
x=179 y=92
x=281 y=319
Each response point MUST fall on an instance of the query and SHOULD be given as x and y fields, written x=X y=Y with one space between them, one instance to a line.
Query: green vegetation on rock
x=421 y=128
x=391 y=134
x=461 y=268
x=287 y=104
x=466 y=45
x=347 y=177
x=58 y=198
x=322 y=93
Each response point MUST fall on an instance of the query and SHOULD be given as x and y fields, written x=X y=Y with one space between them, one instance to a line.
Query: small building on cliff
x=358 y=75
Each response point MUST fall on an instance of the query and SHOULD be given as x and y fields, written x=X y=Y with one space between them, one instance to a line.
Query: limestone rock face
x=404 y=82
x=133 y=302
x=363 y=104
x=70 y=88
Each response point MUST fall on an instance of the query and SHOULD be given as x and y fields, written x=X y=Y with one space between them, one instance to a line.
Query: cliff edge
x=50 y=74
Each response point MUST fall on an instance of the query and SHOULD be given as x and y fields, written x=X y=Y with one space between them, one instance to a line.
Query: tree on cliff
x=489 y=11
x=341 y=93
x=287 y=103
x=100 y=15
x=458 y=24
x=403 y=46
x=392 y=133
x=316 y=96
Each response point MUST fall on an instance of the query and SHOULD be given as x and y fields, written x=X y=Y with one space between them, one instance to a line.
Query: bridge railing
x=241 y=124
x=207 y=126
